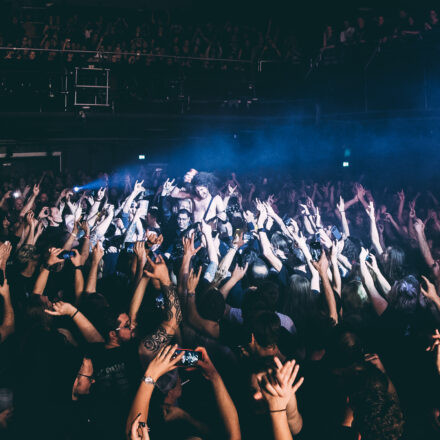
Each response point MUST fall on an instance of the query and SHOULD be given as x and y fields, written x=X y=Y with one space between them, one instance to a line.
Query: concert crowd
x=204 y=306
x=150 y=38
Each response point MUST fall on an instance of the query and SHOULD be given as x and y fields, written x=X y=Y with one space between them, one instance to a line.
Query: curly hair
x=376 y=412
x=205 y=179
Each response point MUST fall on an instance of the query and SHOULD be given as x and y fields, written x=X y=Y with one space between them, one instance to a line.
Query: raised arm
x=379 y=303
x=188 y=252
x=384 y=284
x=401 y=196
x=97 y=254
x=86 y=328
x=373 y=229
x=164 y=362
x=226 y=407
x=210 y=328
x=430 y=292
x=279 y=389
x=341 y=210
x=31 y=201
x=301 y=242
x=322 y=267
x=237 y=275
x=152 y=343
x=41 y=281
x=76 y=261
x=8 y=323
x=337 y=283
x=264 y=241
x=423 y=243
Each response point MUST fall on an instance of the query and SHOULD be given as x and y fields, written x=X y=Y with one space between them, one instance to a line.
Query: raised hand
x=430 y=291
x=249 y=216
x=239 y=272
x=363 y=255
x=370 y=211
x=193 y=280
x=168 y=187
x=374 y=359
x=188 y=247
x=45 y=211
x=231 y=189
x=279 y=387
x=5 y=252
x=373 y=265
x=7 y=195
x=304 y=209
x=139 y=250
x=139 y=430
x=401 y=195
x=260 y=206
x=435 y=348
x=36 y=190
x=419 y=226
x=205 y=363
x=321 y=265
x=158 y=270
x=53 y=256
x=30 y=219
x=84 y=225
x=76 y=259
x=300 y=239
x=97 y=252
x=360 y=191
x=61 y=308
x=341 y=204
x=164 y=362
x=269 y=209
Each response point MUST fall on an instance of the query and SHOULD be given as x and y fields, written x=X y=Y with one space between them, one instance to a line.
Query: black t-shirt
x=117 y=373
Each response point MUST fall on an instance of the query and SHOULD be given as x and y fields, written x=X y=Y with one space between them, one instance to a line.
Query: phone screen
x=67 y=254
x=190 y=357
x=336 y=233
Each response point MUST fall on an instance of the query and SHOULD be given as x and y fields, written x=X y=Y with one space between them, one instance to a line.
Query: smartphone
x=129 y=247
x=190 y=357
x=315 y=247
x=369 y=259
x=336 y=234
x=66 y=255
x=160 y=301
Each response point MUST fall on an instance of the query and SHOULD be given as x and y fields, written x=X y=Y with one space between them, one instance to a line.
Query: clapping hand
x=279 y=386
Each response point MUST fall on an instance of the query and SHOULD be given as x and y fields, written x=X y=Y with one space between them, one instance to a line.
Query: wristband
x=73 y=235
x=262 y=230
x=47 y=266
x=78 y=267
x=73 y=316
x=87 y=236
x=278 y=410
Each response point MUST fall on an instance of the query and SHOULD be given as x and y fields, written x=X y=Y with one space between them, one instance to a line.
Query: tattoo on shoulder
x=157 y=340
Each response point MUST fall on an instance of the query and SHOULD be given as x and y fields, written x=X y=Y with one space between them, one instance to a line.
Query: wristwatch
x=149 y=380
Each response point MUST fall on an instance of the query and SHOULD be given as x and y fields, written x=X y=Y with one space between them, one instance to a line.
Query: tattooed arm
x=152 y=343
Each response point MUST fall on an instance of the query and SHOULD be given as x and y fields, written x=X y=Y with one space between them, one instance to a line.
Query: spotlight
x=141 y=157
x=16 y=194
x=345 y=164
x=76 y=189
